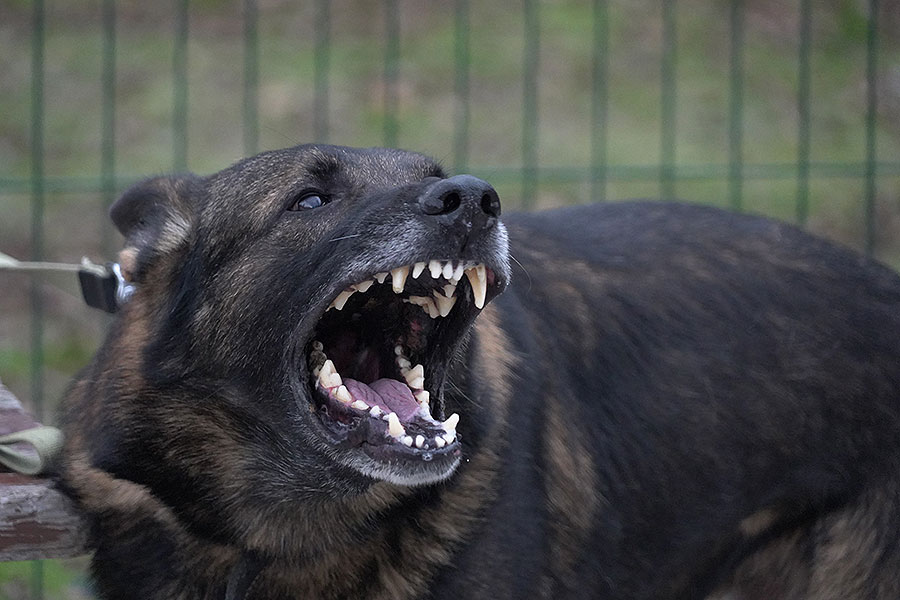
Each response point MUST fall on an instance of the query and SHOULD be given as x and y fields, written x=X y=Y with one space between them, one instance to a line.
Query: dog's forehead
x=321 y=166
x=363 y=167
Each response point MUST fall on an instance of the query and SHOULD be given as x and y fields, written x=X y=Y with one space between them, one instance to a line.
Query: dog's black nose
x=462 y=199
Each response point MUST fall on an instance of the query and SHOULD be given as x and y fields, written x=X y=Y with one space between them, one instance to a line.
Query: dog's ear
x=156 y=218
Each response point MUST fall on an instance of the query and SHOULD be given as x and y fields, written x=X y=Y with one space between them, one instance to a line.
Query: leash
x=102 y=286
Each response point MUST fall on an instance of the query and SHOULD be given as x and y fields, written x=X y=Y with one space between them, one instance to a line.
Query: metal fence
x=875 y=175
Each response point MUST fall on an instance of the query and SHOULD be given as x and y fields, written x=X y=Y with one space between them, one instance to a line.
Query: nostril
x=490 y=204
x=451 y=202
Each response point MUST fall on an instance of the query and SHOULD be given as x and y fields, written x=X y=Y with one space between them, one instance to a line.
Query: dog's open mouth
x=378 y=357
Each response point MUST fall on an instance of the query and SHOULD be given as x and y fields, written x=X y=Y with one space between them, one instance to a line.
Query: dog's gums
x=371 y=361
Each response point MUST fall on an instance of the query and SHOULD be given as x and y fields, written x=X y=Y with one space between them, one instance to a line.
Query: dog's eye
x=309 y=200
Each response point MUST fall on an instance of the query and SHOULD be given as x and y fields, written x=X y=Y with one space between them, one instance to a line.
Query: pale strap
x=47 y=442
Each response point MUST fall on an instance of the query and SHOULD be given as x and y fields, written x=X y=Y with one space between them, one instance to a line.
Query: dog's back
x=713 y=390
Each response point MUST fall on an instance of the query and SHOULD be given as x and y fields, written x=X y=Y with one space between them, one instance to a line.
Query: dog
x=341 y=375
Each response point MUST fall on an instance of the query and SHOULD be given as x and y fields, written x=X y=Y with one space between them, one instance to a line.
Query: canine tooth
x=478 y=281
x=435 y=268
x=317 y=346
x=398 y=278
x=420 y=441
x=342 y=298
x=439 y=442
x=457 y=273
x=343 y=394
x=450 y=289
x=417 y=269
x=403 y=362
x=360 y=405
x=415 y=375
x=375 y=411
x=407 y=440
x=380 y=277
x=364 y=286
x=422 y=396
x=444 y=305
x=451 y=423
x=394 y=427
x=448 y=270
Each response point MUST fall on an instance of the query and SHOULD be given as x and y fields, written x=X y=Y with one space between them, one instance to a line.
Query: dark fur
x=667 y=402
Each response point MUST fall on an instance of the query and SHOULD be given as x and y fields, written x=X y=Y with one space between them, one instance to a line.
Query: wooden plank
x=36 y=520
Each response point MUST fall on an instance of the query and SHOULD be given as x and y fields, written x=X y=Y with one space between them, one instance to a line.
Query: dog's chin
x=375 y=364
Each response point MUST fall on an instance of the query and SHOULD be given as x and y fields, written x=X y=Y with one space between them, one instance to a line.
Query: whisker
x=346 y=237
x=524 y=270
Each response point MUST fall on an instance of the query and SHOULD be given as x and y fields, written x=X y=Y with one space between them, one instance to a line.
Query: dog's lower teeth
x=343 y=394
x=444 y=305
x=420 y=441
x=439 y=442
x=451 y=423
x=395 y=428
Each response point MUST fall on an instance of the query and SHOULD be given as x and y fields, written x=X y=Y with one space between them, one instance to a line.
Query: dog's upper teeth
x=478 y=281
x=341 y=299
x=435 y=268
x=398 y=278
x=457 y=273
x=364 y=286
x=448 y=270
x=380 y=277
x=417 y=269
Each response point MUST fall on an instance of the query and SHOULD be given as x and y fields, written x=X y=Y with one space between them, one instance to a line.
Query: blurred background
x=784 y=108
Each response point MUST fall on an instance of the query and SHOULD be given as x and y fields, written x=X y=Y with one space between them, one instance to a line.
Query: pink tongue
x=389 y=395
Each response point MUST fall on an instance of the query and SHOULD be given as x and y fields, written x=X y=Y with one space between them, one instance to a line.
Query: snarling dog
x=317 y=390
